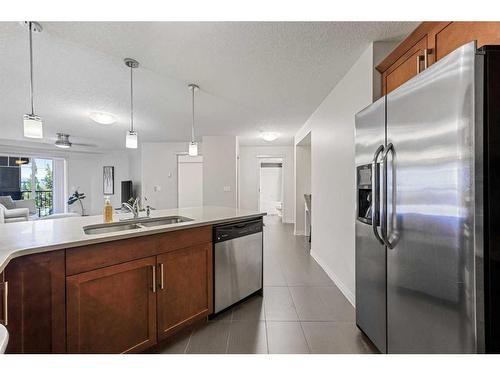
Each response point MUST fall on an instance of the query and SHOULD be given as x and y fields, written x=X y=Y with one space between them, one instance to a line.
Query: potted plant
x=76 y=196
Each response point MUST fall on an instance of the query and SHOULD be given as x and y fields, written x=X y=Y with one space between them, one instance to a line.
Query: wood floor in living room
x=302 y=311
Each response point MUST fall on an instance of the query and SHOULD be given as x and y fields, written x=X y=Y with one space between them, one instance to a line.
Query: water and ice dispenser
x=364 y=194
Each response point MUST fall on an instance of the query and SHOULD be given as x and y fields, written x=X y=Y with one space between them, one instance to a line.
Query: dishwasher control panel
x=235 y=230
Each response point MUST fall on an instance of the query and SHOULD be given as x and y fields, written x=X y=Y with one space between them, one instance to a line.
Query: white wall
x=220 y=176
x=333 y=175
x=135 y=171
x=249 y=177
x=302 y=185
x=86 y=172
x=159 y=169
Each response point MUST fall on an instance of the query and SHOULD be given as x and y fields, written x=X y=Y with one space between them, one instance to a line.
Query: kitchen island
x=123 y=291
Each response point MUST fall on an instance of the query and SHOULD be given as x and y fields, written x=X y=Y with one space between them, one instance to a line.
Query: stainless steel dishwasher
x=238 y=262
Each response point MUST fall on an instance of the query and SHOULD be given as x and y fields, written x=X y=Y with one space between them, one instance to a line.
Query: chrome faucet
x=134 y=208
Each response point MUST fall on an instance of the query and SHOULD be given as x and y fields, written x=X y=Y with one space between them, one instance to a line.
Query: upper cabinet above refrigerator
x=428 y=43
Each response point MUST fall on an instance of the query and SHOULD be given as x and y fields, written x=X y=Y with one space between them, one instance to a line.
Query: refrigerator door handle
x=383 y=218
x=376 y=193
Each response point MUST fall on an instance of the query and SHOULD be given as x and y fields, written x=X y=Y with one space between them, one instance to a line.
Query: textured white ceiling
x=254 y=76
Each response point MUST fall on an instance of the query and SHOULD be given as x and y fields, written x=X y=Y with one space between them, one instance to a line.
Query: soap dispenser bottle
x=107 y=211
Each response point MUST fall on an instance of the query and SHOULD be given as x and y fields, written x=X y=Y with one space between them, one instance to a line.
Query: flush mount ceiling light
x=102 y=118
x=32 y=123
x=193 y=146
x=131 y=137
x=63 y=141
x=269 y=136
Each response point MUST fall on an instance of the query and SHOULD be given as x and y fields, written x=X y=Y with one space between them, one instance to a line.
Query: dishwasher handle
x=230 y=231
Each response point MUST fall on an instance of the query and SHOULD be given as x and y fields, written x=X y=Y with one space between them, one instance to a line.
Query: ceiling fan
x=62 y=141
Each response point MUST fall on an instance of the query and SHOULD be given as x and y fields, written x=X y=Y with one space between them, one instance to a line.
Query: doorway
x=189 y=181
x=303 y=187
x=271 y=186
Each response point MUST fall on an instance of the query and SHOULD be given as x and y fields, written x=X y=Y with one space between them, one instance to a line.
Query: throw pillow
x=7 y=202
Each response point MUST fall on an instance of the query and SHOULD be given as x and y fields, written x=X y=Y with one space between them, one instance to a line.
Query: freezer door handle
x=383 y=218
x=376 y=192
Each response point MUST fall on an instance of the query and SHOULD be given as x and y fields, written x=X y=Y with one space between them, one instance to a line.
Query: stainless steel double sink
x=134 y=224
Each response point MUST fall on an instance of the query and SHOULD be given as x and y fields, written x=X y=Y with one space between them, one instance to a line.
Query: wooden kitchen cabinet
x=433 y=41
x=90 y=257
x=35 y=303
x=457 y=34
x=112 y=309
x=117 y=303
x=184 y=292
x=114 y=297
x=407 y=66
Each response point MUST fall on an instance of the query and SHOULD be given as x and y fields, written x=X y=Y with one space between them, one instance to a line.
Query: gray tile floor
x=302 y=310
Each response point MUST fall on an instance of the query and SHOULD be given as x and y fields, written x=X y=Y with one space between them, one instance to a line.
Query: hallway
x=302 y=310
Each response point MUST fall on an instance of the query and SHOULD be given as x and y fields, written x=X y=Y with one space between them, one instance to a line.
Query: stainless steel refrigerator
x=424 y=154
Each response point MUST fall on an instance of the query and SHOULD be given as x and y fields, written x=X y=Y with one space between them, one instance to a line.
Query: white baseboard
x=345 y=291
x=300 y=233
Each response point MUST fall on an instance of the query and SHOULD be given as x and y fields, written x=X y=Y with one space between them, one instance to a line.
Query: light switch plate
x=227 y=188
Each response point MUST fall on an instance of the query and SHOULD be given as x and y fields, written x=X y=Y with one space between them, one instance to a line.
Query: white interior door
x=190 y=181
x=270 y=190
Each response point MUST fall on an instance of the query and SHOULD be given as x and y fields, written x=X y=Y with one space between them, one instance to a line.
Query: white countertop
x=4 y=339
x=30 y=237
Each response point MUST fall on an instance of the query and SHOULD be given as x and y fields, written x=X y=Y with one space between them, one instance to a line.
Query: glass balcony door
x=37 y=178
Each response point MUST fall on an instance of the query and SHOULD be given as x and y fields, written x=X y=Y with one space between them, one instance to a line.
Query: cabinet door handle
x=162 y=277
x=6 y=303
x=419 y=62
x=153 y=268
x=427 y=52
x=424 y=58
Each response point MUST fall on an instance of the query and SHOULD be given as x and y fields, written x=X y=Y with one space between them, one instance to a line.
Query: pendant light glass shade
x=193 y=146
x=33 y=126
x=131 y=139
x=193 y=149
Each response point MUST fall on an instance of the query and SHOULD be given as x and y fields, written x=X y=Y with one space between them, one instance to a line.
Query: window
x=28 y=178
x=37 y=182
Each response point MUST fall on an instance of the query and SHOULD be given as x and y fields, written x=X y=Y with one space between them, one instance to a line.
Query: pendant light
x=131 y=137
x=193 y=146
x=32 y=123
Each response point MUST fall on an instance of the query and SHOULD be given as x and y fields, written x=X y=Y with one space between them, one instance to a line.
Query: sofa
x=16 y=210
